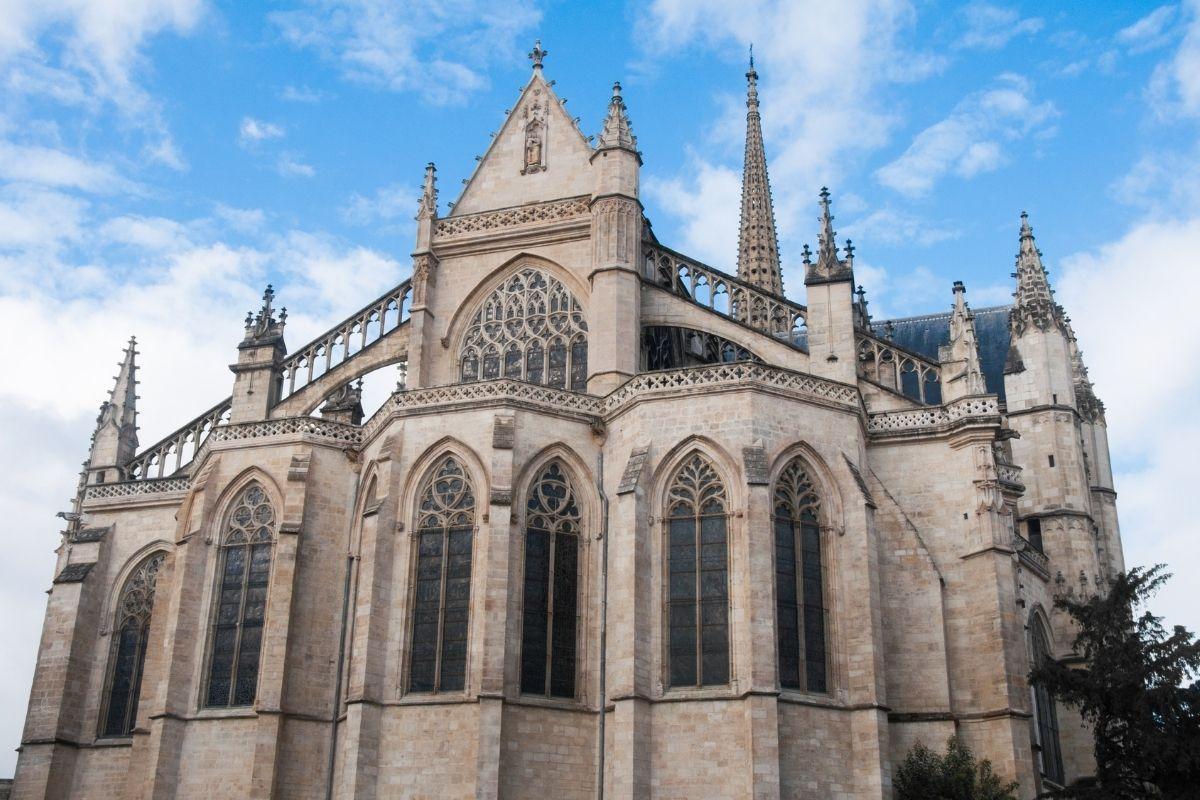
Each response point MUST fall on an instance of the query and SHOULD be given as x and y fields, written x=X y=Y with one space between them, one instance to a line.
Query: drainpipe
x=337 y=686
x=603 y=620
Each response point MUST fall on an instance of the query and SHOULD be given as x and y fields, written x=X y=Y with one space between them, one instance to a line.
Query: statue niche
x=535 y=136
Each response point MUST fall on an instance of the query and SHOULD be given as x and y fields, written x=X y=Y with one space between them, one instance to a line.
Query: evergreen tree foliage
x=926 y=775
x=1131 y=686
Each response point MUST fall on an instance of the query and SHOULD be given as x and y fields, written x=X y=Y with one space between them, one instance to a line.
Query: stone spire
x=1034 y=305
x=962 y=371
x=617 y=132
x=115 y=441
x=263 y=327
x=758 y=244
x=828 y=267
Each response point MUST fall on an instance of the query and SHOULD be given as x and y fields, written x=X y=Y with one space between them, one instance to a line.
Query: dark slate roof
x=925 y=334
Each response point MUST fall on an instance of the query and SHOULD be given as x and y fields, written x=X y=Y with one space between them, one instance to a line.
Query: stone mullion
x=754 y=592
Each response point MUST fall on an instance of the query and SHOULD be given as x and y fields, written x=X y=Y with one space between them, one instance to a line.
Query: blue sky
x=161 y=160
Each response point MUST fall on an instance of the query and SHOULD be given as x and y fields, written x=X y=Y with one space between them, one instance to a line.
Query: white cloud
x=1174 y=89
x=990 y=27
x=290 y=166
x=1148 y=32
x=1140 y=371
x=302 y=94
x=148 y=233
x=401 y=45
x=822 y=104
x=49 y=167
x=252 y=131
x=893 y=226
x=388 y=203
x=971 y=139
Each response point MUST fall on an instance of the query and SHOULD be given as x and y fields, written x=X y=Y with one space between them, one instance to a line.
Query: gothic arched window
x=131 y=629
x=530 y=328
x=551 y=586
x=698 y=576
x=245 y=567
x=1043 y=708
x=799 y=581
x=445 y=527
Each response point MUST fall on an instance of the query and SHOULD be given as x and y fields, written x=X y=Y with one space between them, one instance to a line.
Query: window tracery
x=245 y=567
x=441 y=606
x=127 y=657
x=548 y=633
x=799 y=581
x=1044 y=710
x=530 y=328
x=698 y=576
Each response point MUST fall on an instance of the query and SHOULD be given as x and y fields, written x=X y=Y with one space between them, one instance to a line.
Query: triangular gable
x=539 y=154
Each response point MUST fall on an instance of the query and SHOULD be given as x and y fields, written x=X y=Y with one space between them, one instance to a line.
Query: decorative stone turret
x=616 y=247
x=115 y=441
x=345 y=404
x=833 y=314
x=258 y=377
x=758 y=243
x=424 y=279
x=962 y=371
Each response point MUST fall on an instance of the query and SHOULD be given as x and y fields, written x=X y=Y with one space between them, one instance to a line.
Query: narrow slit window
x=799 y=582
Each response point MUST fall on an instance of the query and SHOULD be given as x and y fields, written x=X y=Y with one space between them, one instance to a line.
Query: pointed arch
x=696 y=507
x=1049 y=747
x=246 y=540
x=445 y=508
x=528 y=326
x=554 y=523
x=797 y=518
x=132 y=611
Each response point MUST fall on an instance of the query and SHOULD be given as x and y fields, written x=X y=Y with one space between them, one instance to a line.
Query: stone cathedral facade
x=630 y=525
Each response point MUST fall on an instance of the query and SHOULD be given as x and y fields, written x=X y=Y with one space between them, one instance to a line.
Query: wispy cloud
x=290 y=166
x=990 y=27
x=47 y=166
x=971 y=139
x=1174 y=89
x=1149 y=32
x=398 y=45
x=252 y=131
x=388 y=203
x=302 y=94
x=893 y=226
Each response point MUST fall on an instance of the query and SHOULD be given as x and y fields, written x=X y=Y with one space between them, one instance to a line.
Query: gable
x=538 y=155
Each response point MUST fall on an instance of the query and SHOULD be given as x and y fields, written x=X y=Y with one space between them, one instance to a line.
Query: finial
x=752 y=56
x=537 y=54
x=861 y=292
x=849 y=250
x=807 y=254
x=616 y=89
x=427 y=208
x=959 y=287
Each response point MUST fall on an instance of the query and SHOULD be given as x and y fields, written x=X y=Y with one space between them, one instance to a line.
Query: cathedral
x=630 y=526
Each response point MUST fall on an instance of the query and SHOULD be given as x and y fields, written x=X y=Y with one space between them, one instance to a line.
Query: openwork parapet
x=553 y=211
x=100 y=491
x=921 y=420
x=726 y=295
x=347 y=339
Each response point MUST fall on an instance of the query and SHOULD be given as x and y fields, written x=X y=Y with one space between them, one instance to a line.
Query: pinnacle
x=428 y=207
x=618 y=130
x=1034 y=303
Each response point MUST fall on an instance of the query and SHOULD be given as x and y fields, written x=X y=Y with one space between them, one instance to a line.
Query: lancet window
x=799 y=581
x=445 y=529
x=127 y=657
x=698 y=576
x=531 y=328
x=551 y=597
x=1043 y=707
x=245 y=567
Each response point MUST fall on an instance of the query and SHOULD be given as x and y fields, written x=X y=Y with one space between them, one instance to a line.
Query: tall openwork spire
x=618 y=130
x=1034 y=305
x=115 y=441
x=758 y=244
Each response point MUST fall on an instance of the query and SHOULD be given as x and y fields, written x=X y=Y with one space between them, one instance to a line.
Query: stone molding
x=932 y=419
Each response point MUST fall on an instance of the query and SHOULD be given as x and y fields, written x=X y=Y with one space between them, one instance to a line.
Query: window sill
x=435 y=699
x=556 y=703
x=113 y=741
x=724 y=692
x=236 y=712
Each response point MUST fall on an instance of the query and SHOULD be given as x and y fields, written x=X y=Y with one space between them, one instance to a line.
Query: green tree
x=1131 y=686
x=926 y=775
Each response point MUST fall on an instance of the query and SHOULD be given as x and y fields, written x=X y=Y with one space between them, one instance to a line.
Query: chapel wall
x=548 y=753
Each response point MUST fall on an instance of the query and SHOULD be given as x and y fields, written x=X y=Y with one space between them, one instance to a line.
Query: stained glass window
x=127 y=656
x=245 y=567
x=548 y=632
x=445 y=527
x=1044 y=710
x=531 y=328
x=799 y=582
x=697 y=576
